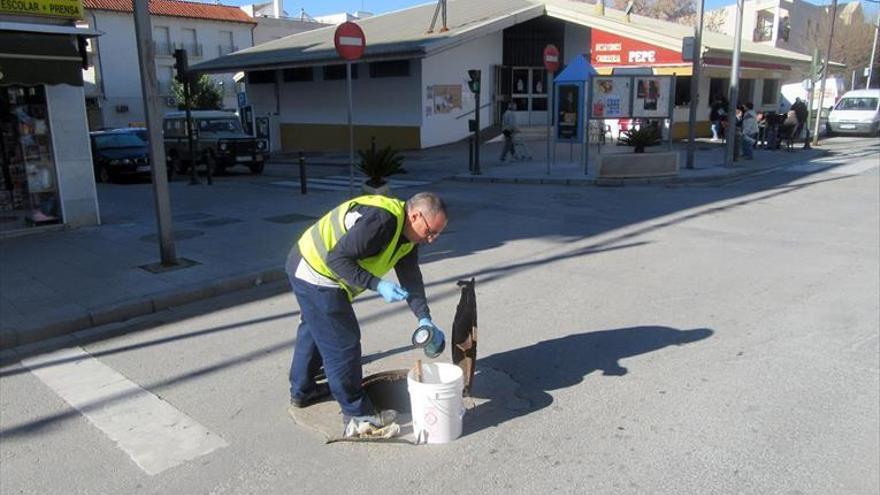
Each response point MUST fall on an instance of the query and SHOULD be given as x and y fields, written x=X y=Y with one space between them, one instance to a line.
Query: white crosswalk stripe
x=151 y=431
x=341 y=183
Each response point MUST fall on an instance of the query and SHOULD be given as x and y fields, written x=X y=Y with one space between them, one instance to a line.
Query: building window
x=191 y=43
x=300 y=74
x=718 y=88
x=261 y=77
x=394 y=68
x=763 y=26
x=336 y=72
x=770 y=93
x=682 y=91
x=746 y=92
x=784 y=28
x=227 y=43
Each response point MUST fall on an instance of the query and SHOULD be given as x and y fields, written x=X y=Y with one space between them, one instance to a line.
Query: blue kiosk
x=571 y=104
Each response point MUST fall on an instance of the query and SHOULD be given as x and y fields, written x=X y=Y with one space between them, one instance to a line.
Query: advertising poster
x=652 y=96
x=447 y=97
x=568 y=112
x=611 y=97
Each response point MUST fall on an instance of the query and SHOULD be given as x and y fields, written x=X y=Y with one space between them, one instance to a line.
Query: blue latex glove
x=391 y=292
x=438 y=341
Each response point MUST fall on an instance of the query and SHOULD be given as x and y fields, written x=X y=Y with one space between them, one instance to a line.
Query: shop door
x=529 y=92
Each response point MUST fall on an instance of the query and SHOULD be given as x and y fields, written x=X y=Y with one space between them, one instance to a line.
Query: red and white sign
x=551 y=58
x=611 y=49
x=350 y=41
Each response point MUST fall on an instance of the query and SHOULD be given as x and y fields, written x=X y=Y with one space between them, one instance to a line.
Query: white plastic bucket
x=437 y=406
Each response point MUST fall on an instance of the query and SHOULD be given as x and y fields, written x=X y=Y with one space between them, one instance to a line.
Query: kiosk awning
x=38 y=58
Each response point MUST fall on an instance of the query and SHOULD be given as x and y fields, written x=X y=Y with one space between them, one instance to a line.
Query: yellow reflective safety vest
x=321 y=237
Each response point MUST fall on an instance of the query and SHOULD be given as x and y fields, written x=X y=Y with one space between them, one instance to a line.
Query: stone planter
x=633 y=165
x=383 y=190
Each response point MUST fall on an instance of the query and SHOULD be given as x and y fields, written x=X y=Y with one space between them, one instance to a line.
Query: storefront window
x=770 y=92
x=682 y=91
x=28 y=182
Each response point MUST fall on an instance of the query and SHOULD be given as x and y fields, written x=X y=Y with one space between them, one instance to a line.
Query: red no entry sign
x=350 y=41
x=551 y=58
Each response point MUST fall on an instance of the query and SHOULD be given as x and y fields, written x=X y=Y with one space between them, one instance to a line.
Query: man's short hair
x=428 y=203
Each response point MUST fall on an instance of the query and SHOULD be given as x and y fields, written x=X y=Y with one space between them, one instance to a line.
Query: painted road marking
x=152 y=432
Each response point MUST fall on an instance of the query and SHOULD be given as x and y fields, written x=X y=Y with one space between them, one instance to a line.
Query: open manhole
x=387 y=390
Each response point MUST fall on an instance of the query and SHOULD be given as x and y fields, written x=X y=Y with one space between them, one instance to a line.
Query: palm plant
x=645 y=135
x=379 y=164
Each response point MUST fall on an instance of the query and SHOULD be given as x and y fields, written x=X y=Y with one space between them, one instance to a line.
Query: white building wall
x=382 y=101
x=73 y=154
x=450 y=68
x=117 y=54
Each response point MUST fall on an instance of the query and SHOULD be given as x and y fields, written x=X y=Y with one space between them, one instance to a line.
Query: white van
x=858 y=112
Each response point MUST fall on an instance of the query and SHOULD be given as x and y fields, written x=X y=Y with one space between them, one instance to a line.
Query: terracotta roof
x=175 y=8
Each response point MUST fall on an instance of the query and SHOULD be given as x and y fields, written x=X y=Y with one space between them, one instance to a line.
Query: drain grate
x=179 y=235
x=216 y=222
x=291 y=218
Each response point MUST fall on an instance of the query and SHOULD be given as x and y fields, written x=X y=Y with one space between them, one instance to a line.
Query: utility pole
x=695 y=86
x=873 y=50
x=824 y=75
x=143 y=32
x=733 y=93
x=813 y=65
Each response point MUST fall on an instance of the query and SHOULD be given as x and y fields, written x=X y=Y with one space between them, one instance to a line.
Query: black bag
x=506 y=132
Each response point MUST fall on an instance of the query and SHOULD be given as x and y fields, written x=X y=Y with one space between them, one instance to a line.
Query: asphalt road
x=688 y=340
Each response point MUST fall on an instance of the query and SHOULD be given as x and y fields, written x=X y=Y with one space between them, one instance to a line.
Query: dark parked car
x=118 y=153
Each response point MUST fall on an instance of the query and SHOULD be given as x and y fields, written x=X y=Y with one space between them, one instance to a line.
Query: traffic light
x=181 y=65
x=474 y=83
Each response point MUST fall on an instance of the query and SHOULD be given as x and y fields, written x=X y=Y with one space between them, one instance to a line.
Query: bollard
x=302 y=173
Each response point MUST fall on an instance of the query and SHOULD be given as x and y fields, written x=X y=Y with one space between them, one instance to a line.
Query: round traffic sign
x=551 y=58
x=350 y=41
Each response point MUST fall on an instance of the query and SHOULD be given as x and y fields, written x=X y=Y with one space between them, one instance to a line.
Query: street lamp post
x=733 y=93
x=695 y=86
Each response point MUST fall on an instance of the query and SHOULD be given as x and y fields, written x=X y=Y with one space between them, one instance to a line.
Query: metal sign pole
x=588 y=97
x=350 y=132
x=550 y=114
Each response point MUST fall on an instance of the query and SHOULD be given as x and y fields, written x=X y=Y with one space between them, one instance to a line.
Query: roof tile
x=176 y=8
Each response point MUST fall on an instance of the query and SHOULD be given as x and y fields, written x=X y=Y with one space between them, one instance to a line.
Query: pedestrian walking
x=509 y=128
x=717 y=115
x=749 y=131
x=349 y=250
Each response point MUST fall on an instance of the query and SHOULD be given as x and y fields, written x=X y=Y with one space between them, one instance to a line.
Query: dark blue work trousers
x=328 y=333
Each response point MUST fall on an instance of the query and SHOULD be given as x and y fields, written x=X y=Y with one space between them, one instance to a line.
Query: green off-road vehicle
x=220 y=142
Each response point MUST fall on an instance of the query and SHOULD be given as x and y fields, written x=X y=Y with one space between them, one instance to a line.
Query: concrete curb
x=733 y=173
x=126 y=310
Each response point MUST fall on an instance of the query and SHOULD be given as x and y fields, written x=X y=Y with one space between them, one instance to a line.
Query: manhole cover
x=290 y=218
x=179 y=235
x=188 y=217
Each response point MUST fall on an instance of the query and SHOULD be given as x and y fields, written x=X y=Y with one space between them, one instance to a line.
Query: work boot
x=321 y=391
x=381 y=425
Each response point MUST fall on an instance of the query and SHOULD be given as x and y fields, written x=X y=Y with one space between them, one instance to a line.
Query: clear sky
x=323 y=7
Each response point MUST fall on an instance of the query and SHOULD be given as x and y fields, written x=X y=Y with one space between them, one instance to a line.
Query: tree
x=851 y=45
x=666 y=10
x=204 y=94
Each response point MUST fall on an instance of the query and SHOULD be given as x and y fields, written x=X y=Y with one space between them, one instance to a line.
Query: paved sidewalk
x=237 y=232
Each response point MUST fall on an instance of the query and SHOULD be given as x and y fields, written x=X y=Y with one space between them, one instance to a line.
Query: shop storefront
x=46 y=175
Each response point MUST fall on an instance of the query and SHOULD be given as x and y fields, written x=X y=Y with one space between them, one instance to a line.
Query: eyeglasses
x=429 y=234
